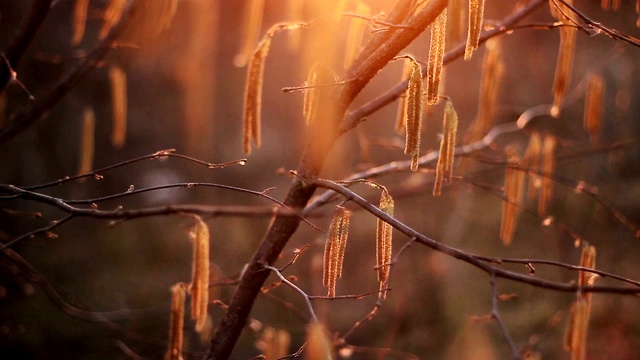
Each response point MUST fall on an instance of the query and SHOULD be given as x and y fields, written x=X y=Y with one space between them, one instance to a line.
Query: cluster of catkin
x=198 y=289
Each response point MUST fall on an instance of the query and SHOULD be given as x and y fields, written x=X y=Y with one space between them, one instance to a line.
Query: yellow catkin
x=492 y=73
x=318 y=344
x=384 y=242
x=79 y=20
x=176 y=326
x=401 y=119
x=531 y=161
x=476 y=13
x=252 y=23
x=594 y=106
x=88 y=144
x=615 y=5
x=444 y=167
x=253 y=95
x=111 y=16
x=548 y=166
x=414 y=114
x=576 y=337
x=319 y=76
x=605 y=4
x=199 y=289
x=564 y=67
x=355 y=34
x=513 y=190
x=436 y=54
x=118 y=80
x=456 y=12
x=274 y=343
x=334 y=249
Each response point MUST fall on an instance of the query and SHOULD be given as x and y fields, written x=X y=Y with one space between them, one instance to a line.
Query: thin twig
x=296 y=288
x=495 y=314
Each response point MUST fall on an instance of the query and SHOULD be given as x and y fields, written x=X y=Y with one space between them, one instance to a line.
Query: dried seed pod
x=334 y=249
x=88 y=141
x=436 y=55
x=414 y=114
x=384 y=237
x=112 y=15
x=401 y=119
x=513 y=190
x=176 y=327
x=548 y=166
x=199 y=289
x=444 y=167
x=118 y=80
x=355 y=34
x=253 y=95
x=476 y=13
x=531 y=161
x=564 y=67
x=80 y=10
x=251 y=24
x=593 y=106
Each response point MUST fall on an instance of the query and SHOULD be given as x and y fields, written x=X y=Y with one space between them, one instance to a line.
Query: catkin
x=169 y=9
x=401 y=118
x=199 y=289
x=318 y=345
x=252 y=23
x=88 y=141
x=548 y=166
x=593 y=106
x=176 y=326
x=355 y=34
x=79 y=20
x=513 y=190
x=476 y=13
x=436 y=55
x=492 y=72
x=319 y=77
x=112 y=15
x=118 y=80
x=334 y=249
x=576 y=336
x=253 y=95
x=531 y=161
x=414 y=114
x=456 y=21
x=563 y=67
x=384 y=233
x=444 y=167
x=274 y=343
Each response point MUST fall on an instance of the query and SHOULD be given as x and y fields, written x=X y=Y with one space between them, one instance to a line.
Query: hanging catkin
x=252 y=22
x=87 y=140
x=334 y=249
x=548 y=166
x=436 y=55
x=444 y=167
x=176 y=326
x=118 y=80
x=576 y=336
x=384 y=242
x=594 y=106
x=414 y=114
x=253 y=96
x=79 y=20
x=513 y=190
x=476 y=13
x=199 y=289
x=401 y=118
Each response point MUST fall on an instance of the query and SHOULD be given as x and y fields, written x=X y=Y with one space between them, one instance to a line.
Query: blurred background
x=184 y=92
